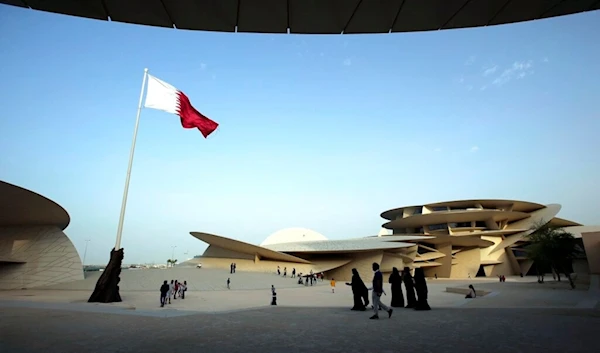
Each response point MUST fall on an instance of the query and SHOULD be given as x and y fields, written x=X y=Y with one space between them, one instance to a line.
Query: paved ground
x=280 y=329
x=212 y=318
x=139 y=289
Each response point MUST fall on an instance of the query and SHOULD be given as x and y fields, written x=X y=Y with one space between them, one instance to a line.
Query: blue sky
x=323 y=132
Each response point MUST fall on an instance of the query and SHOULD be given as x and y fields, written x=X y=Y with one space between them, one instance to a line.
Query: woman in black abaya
x=411 y=300
x=421 y=288
x=358 y=290
x=397 y=295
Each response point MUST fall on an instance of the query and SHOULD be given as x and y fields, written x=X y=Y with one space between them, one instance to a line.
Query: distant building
x=34 y=251
x=456 y=239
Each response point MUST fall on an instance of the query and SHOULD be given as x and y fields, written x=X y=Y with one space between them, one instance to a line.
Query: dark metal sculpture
x=107 y=287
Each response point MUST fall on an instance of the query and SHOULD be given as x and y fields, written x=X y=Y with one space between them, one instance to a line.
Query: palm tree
x=169 y=262
x=553 y=247
x=173 y=262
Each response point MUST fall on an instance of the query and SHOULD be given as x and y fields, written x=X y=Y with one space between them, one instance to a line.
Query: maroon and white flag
x=163 y=96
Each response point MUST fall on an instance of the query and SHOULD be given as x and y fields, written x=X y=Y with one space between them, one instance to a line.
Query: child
x=170 y=293
x=228 y=281
x=333 y=285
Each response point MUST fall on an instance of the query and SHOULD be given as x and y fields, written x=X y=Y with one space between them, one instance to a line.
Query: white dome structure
x=383 y=232
x=292 y=235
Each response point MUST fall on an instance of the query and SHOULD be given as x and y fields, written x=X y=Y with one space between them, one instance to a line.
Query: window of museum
x=462 y=225
x=440 y=226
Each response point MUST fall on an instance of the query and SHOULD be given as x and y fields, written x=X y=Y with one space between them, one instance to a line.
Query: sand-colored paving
x=290 y=330
x=208 y=293
x=517 y=316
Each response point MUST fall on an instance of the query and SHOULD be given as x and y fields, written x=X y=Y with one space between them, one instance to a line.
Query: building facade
x=455 y=239
x=476 y=237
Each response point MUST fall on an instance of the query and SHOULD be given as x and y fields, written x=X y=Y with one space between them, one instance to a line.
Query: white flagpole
x=131 y=152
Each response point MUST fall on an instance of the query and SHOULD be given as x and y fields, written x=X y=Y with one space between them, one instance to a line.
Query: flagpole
x=131 y=152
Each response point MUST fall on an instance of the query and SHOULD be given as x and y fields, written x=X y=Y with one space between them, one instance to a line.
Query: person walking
x=358 y=290
x=397 y=295
x=228 y=281
x=332 y=285
x=164 y=290
x=273 y=295
x=409 y=284
x=377 y=292
x=421 y=289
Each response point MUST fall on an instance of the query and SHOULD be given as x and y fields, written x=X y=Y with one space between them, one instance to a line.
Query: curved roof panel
x=322 y=265
x=459 y=241
x=313 y=16
x=19 y=206
x=245 y=248
x=519 y=206
x=561 y=222
x=454 y=216
x=543 y=215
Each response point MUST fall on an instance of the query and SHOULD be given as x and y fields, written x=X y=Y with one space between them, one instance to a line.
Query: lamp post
x=173 y=254
x=85 y=251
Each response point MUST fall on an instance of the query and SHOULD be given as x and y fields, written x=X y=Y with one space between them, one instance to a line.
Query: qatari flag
x=163 y=96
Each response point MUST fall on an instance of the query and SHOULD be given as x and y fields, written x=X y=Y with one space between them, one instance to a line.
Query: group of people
x=285 y=272
x=360 y=292
x=170 y=291
x=302 y=278
x=416 y=290
x=310 y=278
x=413 y=285
x=232 y=268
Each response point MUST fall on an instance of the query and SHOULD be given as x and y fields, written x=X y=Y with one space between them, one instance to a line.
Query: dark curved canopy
x=313 y=16
x=22 y=207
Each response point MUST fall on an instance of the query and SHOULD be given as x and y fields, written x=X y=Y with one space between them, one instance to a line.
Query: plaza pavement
x=208 y=293
x=518 y=316
x=290 y=330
